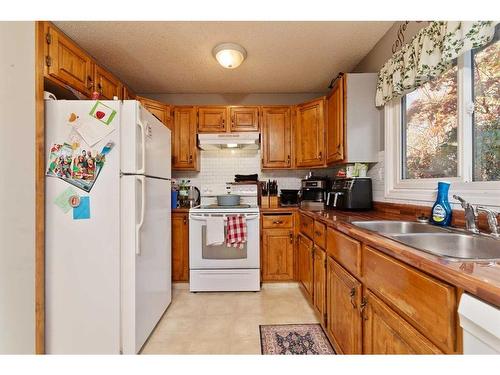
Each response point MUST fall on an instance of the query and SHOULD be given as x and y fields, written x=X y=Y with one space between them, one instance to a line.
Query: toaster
x=354 y=193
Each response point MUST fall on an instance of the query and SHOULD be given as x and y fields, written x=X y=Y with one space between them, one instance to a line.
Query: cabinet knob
x=352 y=294
x=288 y=160
x=320 y=155
x=278 y=222
x=291 y=237
x=190 y=158
x=185 y=220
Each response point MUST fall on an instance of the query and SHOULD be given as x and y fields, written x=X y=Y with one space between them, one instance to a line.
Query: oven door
x=202 y=256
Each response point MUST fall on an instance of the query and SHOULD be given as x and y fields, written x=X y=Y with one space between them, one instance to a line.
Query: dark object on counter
x=246 y=177
x=289 y=197
x=313 y=193
x=353 y=193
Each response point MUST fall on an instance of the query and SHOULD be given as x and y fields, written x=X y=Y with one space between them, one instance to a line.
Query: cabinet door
x=319 y=270
x=343 y=299
x=310 y=137
x=66 y=62
x=128 y=94
x=107 y=84
x=276 y=137
x=385 y=332
x=180 y=247
x=277 y=254
x=244 y=119
x=160 y=110
x=212 y=119
x=305 y=264
x=184 y=150
x=335 y=122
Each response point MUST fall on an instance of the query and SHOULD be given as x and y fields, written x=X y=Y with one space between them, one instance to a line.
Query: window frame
x=424 y=190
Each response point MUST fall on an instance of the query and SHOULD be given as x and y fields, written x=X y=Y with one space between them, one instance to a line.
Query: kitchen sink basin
x=453 y=245
x=398 y=227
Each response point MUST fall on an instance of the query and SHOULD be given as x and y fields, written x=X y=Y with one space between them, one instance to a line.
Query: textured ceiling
x=176 y=57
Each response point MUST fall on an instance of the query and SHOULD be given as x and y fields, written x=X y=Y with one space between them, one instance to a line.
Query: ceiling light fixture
x=229 y=55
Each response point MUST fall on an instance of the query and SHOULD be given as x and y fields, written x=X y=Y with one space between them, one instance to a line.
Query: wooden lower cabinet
x=319 y=282
x=385 y=332
x=305 y=260
x=343 y=300
x=180 y=246
x=277 y=254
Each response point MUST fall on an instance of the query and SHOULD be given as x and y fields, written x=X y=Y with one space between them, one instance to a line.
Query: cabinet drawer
x=345 y=250
x=307 y=226
x=277 y=221
x=427 y=303
x=320 y=234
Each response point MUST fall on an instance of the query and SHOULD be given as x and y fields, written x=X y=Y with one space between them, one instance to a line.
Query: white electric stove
x=221 y=268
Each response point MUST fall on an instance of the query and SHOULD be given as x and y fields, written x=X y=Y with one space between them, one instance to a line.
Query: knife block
x=273 y=201
x=264 y=201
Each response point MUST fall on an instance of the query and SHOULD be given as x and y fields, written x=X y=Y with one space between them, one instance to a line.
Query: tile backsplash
x=221 y=165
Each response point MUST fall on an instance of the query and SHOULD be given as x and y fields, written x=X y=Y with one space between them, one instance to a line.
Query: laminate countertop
x=480 y=278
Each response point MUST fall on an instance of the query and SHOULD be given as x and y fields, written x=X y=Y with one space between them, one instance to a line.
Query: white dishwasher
x=481 y=325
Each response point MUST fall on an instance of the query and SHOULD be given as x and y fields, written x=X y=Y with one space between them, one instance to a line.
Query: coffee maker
x=313 y=192
x=353 y=193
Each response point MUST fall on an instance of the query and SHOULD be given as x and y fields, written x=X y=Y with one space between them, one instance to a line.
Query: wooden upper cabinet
x=180 y=246
x=127 y=93
x=160 y=110
x=276 y=137
x=385 y=332
x=310 y=134
x=277 y=254
x=305 y=260
x=244 y=119
x=106 y=84
x=66 y=62
x=343 y=302
x=335 y=127
x=184 y=150
x=212 y=119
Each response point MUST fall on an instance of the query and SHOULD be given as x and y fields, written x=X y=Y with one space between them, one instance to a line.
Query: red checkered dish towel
x=236 y=231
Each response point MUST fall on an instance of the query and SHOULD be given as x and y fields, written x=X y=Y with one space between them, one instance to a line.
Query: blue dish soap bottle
x=441 y=211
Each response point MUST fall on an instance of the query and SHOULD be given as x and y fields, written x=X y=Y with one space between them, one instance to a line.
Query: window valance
x=429 y=54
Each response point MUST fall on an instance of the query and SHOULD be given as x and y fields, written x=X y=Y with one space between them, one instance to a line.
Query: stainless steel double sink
x=444 y=242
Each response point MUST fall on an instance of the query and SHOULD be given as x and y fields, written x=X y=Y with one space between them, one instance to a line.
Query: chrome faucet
x=492 y=220
x=470 y=214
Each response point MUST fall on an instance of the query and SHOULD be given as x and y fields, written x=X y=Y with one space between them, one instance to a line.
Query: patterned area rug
x=294 y=339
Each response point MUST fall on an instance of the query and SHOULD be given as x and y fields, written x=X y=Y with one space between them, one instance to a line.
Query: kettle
x=194 y=196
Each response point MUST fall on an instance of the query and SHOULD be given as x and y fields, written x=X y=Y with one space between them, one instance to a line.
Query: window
x=429 y=134
x=486 y=117
x=448 y=129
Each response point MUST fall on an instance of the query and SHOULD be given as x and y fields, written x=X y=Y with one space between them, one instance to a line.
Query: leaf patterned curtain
x=430 y=53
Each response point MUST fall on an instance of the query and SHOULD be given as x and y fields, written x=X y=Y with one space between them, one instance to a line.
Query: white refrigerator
x=108 y=274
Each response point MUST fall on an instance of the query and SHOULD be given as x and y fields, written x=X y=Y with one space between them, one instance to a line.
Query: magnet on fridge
x=83 y=210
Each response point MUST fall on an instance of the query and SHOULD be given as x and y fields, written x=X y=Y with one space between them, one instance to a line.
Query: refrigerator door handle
x=138 y=225
x=142 y=170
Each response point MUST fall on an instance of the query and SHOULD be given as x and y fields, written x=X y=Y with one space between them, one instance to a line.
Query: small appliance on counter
x=351 y=193
x=289 y=197
x=313 y=192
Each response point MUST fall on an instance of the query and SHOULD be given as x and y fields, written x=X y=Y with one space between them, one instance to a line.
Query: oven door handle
x=203 y=218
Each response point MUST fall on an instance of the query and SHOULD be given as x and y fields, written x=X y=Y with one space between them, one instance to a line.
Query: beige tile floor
x=225 y=323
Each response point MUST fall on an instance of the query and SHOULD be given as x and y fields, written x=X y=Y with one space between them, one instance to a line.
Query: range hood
x=217 y=141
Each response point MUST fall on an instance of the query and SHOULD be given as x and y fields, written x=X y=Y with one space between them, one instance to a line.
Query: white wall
x=234 y=99
x=17 y=187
